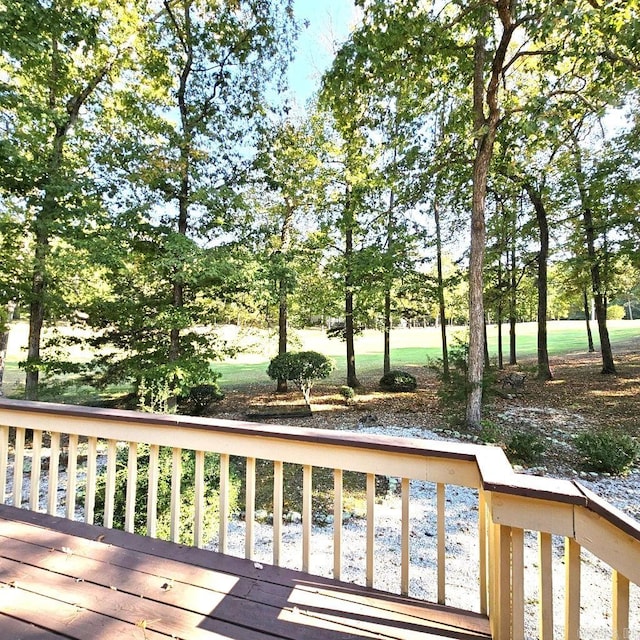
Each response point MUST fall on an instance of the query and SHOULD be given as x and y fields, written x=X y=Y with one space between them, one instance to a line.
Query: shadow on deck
x=65 y=579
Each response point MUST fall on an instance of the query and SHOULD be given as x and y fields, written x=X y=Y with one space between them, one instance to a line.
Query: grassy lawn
x=414 y=347
x=409 y=348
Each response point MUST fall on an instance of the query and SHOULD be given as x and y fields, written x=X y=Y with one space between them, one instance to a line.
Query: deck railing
x=511 y=508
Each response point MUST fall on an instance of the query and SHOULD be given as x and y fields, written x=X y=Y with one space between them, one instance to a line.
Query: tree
x=303 y=368
x=176 y=166
x=58 y=59
x=288 y=161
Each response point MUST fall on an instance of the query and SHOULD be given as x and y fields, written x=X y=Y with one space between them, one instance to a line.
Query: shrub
x=489 y=431
x=525 y=447
x=347 y=393
x=607 y=451
x=398 y=381
x=200 y=399
x=301 y=367
x=453 y=389
x=187 y=492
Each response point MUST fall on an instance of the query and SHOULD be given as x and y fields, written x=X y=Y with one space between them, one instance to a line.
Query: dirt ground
x=578 y=398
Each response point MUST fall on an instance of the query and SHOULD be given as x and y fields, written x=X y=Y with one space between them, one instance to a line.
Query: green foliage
x=200 y=399
x=489 y=432
x=187 y=492
x=398 y=381
x=453 y=390
x=525 y=447
x=301 y=367
x=607 y=451
x=348 y=393
x=615 y=312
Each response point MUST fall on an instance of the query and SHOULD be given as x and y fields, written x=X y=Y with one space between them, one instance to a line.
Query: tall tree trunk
x=485 y=126
x=349 y=329
x=587 y=316
x=386 y=364
x=441 y=302
x=500 y=351
x=184 y=194
x=513 y=308
x=544 y=370
x=283 y=296
x=39 y=279
x=388 y=280
x=599 y=297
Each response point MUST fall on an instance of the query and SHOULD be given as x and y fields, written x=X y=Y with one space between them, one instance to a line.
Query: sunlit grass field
x=409 y=348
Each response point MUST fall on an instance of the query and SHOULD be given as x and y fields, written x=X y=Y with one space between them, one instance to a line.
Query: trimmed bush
x=607 y=451
x=525 y=447
x=301 y=367
x=347 y=393
x=200 y=399
x=398 y=381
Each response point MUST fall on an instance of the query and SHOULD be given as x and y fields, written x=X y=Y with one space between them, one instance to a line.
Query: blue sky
x=330 y=22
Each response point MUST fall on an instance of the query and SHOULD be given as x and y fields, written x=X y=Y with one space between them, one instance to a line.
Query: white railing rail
x=511 y=507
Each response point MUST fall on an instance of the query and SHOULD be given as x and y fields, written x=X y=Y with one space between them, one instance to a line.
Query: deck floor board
x=61 y=578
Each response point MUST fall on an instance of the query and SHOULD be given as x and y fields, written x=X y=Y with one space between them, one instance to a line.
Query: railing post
x=500 y=576
x=36 y=468
x=572 y=590
x=152 y=494
x=132 y=487
x=620 y=607
x=4 y=457
x=483 y=545
x=545 y=556
x=54 y=466
x=441 y=537
x=18 y=467
x=337 y=523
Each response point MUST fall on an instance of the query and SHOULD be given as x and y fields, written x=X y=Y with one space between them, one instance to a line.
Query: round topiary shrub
x=301 y=367
x=398 y=381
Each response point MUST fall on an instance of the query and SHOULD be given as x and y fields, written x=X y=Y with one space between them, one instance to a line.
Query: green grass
x=563 y=337
x=410 y=348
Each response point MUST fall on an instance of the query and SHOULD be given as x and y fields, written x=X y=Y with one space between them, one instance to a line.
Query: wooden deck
x=66 y=579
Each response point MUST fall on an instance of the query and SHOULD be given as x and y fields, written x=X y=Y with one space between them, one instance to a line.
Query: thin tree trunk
x=587 y=315
x=599 y=297
x=388 y=276
x=500 y=351
x=349 y=329
x=283 y=297
x=386 y=365
x=513 y=317
x=441 y=301
x=485 y=127
x=184 y=196
x=544 y=370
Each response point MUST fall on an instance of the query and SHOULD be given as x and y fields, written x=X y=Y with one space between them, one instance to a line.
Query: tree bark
x=388 y=276
x=599 y=296
x=283 y=297
x=544 y=370
x=441 y=302
x=486 y=127
x=513 y=317
x=587 y=315
x=349 y=329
